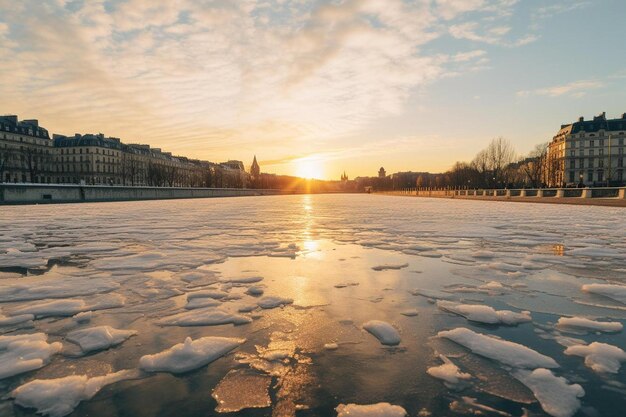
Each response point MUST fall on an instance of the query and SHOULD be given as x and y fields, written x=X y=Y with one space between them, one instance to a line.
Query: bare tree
x=35 y=162
x=534 y=166
x=130 y=168
x=500 y=155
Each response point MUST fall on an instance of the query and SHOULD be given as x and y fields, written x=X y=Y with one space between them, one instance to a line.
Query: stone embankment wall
x=47 y=193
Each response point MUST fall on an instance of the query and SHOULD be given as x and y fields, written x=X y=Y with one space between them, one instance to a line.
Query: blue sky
x=331 y=86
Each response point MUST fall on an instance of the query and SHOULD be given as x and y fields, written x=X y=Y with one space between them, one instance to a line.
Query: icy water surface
x=308 y=305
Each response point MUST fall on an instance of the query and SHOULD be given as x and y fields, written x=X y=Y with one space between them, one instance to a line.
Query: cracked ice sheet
x=510 y=247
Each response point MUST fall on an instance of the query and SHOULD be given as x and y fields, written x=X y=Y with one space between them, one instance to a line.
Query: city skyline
x=313 y=88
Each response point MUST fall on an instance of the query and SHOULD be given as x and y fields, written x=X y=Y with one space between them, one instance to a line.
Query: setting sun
x=309 y=168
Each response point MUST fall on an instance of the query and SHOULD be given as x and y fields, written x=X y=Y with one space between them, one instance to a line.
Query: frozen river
x=312 y=306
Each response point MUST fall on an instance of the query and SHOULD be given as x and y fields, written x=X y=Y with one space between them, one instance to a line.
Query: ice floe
x=581 y=323
x=59 y=397
x=70 y=307
x=613 y=291
x=189 y=355
x=410 y=312
x=389 y=266
x=600 y=357
x=215 y=294
x=484 y=313
x=383 y=331
x=65 y=287
x=448 y=372
x=14 y=320
x=210 y=316
x=370 y=410
x=268 y=302
x=503 y=351
x=242 y=389
x=98 y=338
x=25 y=352
x=255 y=290
x=556 y=395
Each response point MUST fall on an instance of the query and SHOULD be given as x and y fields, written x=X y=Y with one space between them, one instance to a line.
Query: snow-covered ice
x=389 y=266
x=100 y=337
x=503 y=351
x=484 y=313
x=189 y=355
x=370 y=410
x=210 y=316
x=448 y=372
x=600 y=357
x=25 y=352
x=59 y=397
x=556 y=395
x=383 y=331
x=582 y=323
x=616 y=292
x=273 y=301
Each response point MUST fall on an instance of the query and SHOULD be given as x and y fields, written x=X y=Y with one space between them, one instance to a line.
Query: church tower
x=255 y=170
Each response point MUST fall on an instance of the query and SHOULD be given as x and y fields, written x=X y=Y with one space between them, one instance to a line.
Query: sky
x=314 y=88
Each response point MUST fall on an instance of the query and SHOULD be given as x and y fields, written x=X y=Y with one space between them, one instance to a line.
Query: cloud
x=573 y=89
x=203 y=76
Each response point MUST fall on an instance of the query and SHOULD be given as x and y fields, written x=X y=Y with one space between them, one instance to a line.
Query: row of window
x=87 y=150
x=592 y=176
x=591 y=162
x=34 y=141
x=614 y=152
x=601 y=142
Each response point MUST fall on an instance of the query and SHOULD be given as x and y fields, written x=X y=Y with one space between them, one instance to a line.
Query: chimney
x=581 y=119
x=624 y=116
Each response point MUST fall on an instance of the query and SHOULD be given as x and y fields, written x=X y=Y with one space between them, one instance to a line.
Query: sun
x=309 y=168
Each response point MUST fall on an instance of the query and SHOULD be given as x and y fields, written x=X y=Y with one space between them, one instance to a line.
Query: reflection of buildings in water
x=558 y=249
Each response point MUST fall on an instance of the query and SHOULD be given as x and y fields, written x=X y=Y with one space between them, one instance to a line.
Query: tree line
x=497 y=166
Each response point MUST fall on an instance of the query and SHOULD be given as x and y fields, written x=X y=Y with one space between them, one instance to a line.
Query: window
x=572 y=164
x=589 y=176
x=572 y=153
x=601 y=142
x=600 y=176
x=591 y=143
x=590 y=152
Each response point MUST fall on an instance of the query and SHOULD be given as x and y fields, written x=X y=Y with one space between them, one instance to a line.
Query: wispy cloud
x=573 y=89
x=203 y=76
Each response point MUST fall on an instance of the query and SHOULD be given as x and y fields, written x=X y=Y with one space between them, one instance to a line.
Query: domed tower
x=382 y=173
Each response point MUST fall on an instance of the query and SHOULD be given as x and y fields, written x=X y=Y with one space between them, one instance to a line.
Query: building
x=382 y=173
x=589 y=152
x=27 y=154
x=231 y=174
x=88 y=159
x=26 y=151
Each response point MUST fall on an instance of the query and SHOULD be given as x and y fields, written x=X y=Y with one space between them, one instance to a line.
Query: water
x=342 y=260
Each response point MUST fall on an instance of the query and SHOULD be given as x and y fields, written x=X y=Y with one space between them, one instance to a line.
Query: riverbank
x=579 y=201
x=23 y=194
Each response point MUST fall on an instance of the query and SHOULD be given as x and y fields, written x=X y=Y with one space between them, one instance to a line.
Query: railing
x=588 y=192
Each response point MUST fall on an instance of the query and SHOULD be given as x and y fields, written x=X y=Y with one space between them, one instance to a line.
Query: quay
x=11 y=194
x=595 y=196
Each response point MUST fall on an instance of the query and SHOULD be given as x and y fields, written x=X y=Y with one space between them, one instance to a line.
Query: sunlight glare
x=309 y=168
